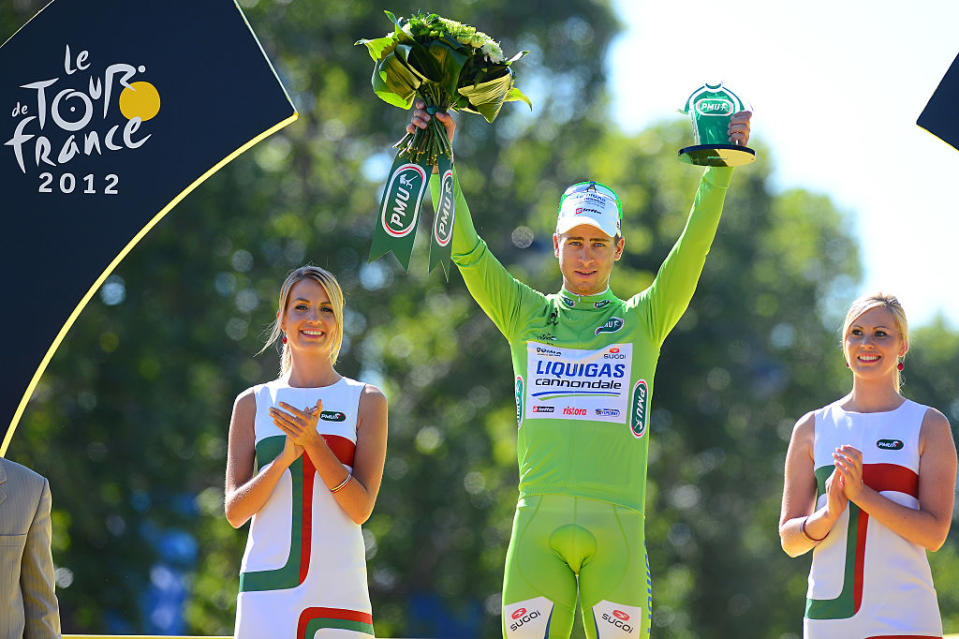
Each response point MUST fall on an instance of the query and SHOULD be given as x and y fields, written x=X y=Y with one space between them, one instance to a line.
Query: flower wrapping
x=452 y=67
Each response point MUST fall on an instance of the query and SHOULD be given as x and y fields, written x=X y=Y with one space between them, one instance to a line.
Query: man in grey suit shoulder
x=28 y=603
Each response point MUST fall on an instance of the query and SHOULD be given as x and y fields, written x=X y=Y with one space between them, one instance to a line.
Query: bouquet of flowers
x=451 y=67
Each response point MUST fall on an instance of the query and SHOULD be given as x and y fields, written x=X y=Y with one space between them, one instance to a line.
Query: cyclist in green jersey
x=584 y=362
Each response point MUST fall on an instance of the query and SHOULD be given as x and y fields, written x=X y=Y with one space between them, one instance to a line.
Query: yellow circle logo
x=139 y=100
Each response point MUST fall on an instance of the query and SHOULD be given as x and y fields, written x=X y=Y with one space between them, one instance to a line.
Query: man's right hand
x=421 y=117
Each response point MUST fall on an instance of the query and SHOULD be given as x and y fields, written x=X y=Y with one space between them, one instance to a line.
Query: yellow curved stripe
x=122 y=254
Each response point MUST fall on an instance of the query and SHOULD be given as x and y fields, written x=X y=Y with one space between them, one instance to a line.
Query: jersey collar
x=588 y=302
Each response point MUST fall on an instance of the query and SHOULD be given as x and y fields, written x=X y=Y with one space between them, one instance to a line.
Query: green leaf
x=516 y=57
x=394 y=81
x=516 y=95
x=487 y=97
x=379 y=47
x=449 y=62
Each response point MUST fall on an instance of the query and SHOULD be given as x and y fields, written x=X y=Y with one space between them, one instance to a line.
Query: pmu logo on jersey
x=889 y=444
x=527 y=619
x=88 y=107
x=401 y=204
x=639 y=409
x=333 y=416
x=568 y=302
x=519 y=401
x=617 y=620
x=714 y=106
x=611 y=325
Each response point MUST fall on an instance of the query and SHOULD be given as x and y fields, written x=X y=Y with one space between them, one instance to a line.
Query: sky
x=836 y=88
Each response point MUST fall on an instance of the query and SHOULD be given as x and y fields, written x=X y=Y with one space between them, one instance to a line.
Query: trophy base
x=717 y=155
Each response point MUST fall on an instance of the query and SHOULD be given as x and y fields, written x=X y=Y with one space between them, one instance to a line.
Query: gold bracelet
x=805 y=534
x=342 y=484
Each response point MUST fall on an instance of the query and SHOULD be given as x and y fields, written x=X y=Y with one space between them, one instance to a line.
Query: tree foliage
x=130 y=421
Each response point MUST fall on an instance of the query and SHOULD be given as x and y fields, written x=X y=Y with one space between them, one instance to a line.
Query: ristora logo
x=889 y=444
x=402 y=202
x=714 y=106
x=639 y=411
x=89 y=107
x=611 y=325
x=333 y=416
x=443 y=228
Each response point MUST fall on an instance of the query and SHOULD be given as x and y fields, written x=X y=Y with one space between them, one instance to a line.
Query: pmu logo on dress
x=86 y=108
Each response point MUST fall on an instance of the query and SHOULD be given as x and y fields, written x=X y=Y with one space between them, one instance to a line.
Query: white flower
x=493 y=51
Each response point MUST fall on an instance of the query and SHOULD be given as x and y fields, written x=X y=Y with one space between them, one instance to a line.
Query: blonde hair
x=325 y=279
x=890 y=303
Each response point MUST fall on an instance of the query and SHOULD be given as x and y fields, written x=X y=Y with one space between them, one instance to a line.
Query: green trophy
x=710 y=107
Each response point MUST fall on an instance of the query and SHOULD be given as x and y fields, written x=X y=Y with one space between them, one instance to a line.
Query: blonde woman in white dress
x=318 y=441
x=869 y=487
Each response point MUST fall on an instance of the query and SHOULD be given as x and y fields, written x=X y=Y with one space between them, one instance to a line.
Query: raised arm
x=245 y=493
x=929 y=525
x=678 y=276
x=498 y=293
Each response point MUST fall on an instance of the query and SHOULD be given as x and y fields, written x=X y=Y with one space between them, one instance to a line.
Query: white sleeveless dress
x=303 y=573
x=867 y=581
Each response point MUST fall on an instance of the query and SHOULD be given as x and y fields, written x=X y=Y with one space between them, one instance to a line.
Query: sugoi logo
x=619 y=614
x=611 y=325
x=617 y=621
x=443 y=226
x=521 y=617
x=400 y=207
x=890 y=444
x=614 y=349
x=75 y=113
x=640 y=409
x=332 y=416
x=714 y=106
x=601 y=304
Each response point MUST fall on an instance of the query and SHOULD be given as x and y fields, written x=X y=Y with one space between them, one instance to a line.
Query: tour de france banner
x=110 y=113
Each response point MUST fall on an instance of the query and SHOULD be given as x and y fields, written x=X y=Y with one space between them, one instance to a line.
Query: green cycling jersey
x=584 y=365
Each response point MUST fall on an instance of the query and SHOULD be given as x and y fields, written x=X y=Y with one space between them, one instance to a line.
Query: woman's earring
x=284 y=339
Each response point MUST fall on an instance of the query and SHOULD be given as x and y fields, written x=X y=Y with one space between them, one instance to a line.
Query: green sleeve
x=679 y=274
x=503 y=298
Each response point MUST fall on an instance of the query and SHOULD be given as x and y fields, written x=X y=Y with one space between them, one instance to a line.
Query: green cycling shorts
x=561 y=543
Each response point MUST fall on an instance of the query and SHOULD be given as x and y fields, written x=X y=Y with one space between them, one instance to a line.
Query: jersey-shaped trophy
x=710 y=107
